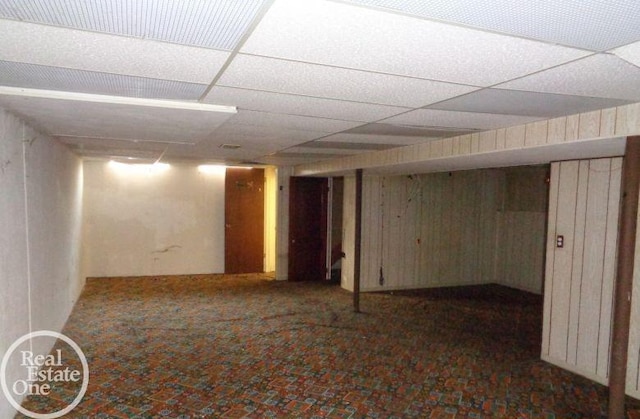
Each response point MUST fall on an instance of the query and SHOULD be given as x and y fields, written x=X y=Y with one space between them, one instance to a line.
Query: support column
x=358 y=237
x=624 y=278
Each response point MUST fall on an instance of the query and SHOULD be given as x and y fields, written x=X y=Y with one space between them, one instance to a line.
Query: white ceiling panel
x=375 y=139
x=114 y=120
x=303 y=123
x=470 y=120
x=629 y=53
x=68 y=48
x=33 y=76
x=213 y=24
x=590 y=24
x=601 y=75
x=300 y=105
x=326 y=32
x=254 y=135
x=283 y=76
x=333 y=151
x=214 y=154
x=515 y=102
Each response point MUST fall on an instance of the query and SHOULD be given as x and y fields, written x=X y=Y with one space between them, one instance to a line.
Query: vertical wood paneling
x=578 y=253
x=589 y=125
x=609 y=267
x=554 y=188
x=515 y=137
x=562 y=263
x=584 y=200
x=573 y=127
x=593 y=264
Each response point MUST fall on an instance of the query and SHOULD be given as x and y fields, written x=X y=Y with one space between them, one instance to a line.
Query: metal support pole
x=624 y=278
x=358 y=237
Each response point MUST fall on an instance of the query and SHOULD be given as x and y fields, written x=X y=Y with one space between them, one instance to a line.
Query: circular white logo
x=40 y=372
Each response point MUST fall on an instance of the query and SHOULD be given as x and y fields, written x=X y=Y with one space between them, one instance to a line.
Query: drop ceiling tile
x=591 y=76
x=375 y=139
x=213 y=154
x=75 y=49
x=324 y=151
x=331 y=33
x=116 y=121
x=33 y=76
x=300 y=105
x=409 y=131
x=343 y=145
x=304 y=123
x=629 y=53
x=464 y=120
x=212 y=24
x=589 y=24
x=267 y=74
x=252 y=135
x=514 y=102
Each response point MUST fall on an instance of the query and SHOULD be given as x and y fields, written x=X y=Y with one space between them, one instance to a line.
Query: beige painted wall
x=164 y=223
x=40 y=220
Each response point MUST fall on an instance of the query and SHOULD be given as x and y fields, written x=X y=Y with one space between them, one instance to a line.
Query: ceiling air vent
x=230 y=146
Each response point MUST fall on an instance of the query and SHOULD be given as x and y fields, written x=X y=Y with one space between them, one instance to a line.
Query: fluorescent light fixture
x=116 y=100
x=137 y=168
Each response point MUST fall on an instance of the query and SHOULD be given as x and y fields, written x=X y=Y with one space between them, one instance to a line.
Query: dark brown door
x=244 y=221
x=307 y=228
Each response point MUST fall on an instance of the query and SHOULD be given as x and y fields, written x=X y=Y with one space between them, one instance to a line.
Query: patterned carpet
x=246 y=346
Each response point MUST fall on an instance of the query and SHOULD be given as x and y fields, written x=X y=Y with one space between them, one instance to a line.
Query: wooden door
x=307 y=228
x=244 y=221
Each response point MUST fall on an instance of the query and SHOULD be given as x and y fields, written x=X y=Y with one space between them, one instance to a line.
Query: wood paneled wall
x=442 y=229
x=584 y=205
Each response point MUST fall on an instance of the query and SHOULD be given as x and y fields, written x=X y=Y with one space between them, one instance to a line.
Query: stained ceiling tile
x=589 y=24
x=338 y=34
x=283 y=76
x=300 y=105
x=33 y=76
x=592 y=76
x=533 y=104
x=213 y=24
x=81 y=50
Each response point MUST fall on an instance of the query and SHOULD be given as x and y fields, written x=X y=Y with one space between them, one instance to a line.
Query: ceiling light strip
x=115 y=100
